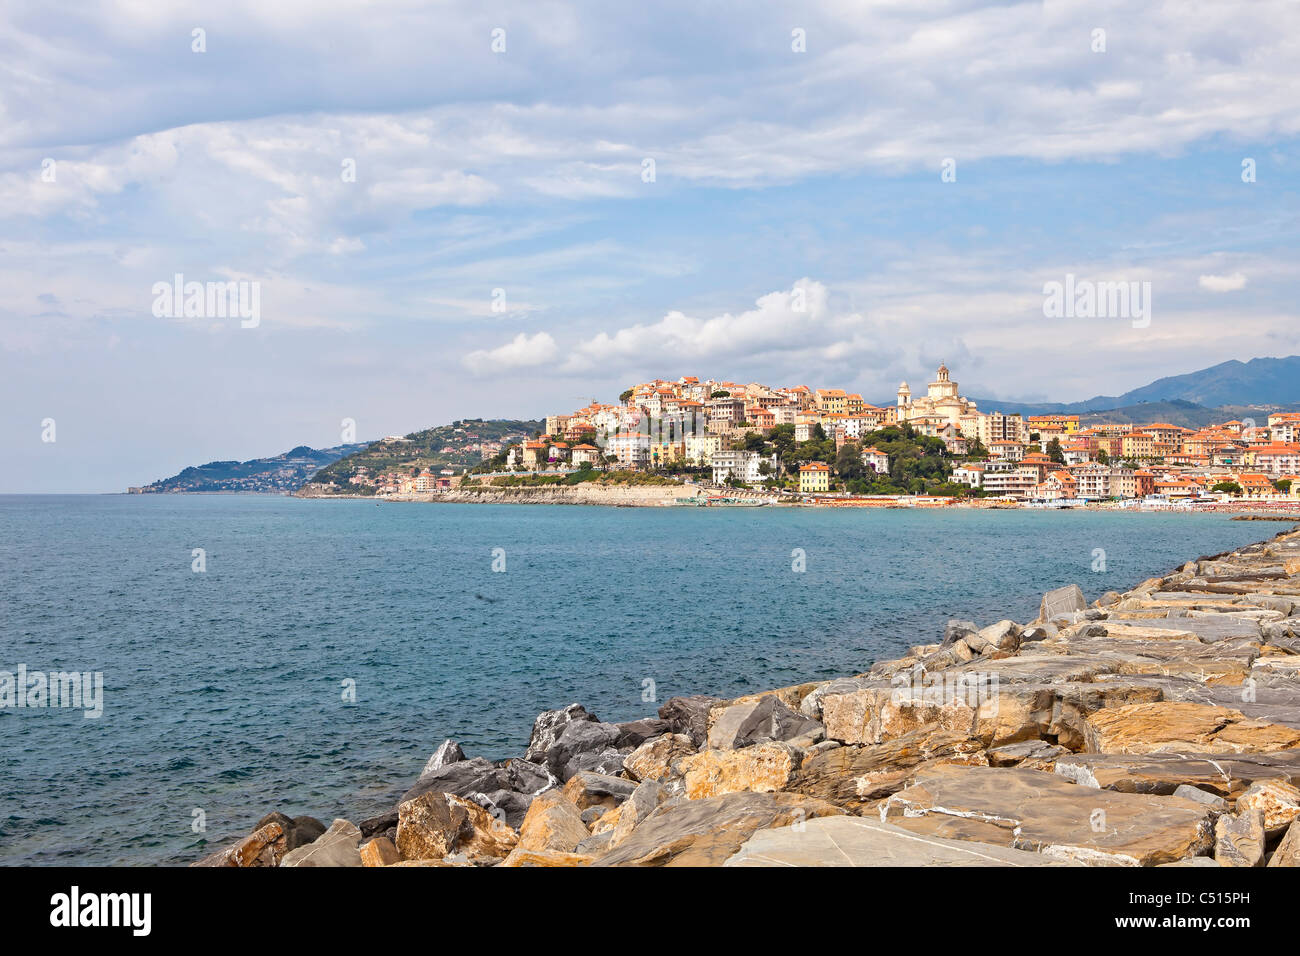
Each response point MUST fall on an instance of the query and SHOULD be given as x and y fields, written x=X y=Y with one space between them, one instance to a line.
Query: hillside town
x=826 y=441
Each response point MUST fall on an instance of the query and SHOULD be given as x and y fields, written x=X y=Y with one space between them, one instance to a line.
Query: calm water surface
x=224 y=689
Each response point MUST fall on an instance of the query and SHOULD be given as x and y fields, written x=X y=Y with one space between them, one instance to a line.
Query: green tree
x=1054 y=451
x=1228 y=487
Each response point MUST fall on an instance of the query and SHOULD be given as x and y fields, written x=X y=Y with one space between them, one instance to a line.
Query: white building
x=741 y=465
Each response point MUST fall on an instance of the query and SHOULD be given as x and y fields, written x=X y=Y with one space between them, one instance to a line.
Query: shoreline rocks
x=1155 y=727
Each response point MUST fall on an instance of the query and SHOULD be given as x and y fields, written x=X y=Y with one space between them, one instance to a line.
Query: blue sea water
x=224 y=690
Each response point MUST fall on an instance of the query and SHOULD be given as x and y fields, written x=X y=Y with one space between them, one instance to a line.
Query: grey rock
x=742 y=725
x=548 y=727
x=1067 y=602
x=448 y=753
x=476 y=774
x=528 y=778
x=383 y=825
x=634 y=733
x=584 y=745
x=957 y=630
x=596 y=844
x=689 y=716
x=1211 y=800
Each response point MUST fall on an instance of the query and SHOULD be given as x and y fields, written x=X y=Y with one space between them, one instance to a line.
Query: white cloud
x=1229 y=283
x=523 y=351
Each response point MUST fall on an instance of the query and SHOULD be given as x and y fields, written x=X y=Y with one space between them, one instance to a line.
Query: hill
x=460 y=445
x=279 y=474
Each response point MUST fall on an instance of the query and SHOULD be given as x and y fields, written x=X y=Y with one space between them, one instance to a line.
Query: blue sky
x=522 y=171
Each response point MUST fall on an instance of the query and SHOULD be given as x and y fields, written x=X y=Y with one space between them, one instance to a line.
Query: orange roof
x=815 y=466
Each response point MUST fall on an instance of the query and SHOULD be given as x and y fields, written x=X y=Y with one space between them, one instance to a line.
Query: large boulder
x=770 y=765
x=437 y=824
x=381 y=851
x=448 y=752
x=689 y=716
x=1226 y=775
x=752 y=722
x=585 y=745
x=658 y=759
x=554 y=822
x=337 y=846
x=548 y=727
x=1067 y=602
x=1239 y=839
x=1278 y=802
x=476 y=775
x=709 y=831
x=634 y=733
x=1171 y=725
x=854 y=777
x=1039 y=811
x=855 y=841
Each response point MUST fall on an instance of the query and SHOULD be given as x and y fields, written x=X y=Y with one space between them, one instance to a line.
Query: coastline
x=1171 y=709
x=696 y=495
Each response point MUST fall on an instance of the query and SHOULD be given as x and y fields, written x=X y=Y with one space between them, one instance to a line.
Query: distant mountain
x=1260 y=385
x=280 y=474
x=1259 y=382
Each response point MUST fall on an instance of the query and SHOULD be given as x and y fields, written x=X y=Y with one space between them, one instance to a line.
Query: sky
x=507 y=209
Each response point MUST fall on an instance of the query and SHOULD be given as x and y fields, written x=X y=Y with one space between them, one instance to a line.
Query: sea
x=263 y=653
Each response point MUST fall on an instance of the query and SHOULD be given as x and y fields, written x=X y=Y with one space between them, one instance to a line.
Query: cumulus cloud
x=523 y=351
x=1229 y=283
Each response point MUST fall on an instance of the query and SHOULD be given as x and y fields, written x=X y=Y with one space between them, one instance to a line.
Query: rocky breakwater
x=1157 y=727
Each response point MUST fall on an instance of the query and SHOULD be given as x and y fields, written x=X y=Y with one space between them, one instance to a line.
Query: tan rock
x=655 y=759
x=1288 y=851
x=708 y=831
x=1184 y=727
x=875 y=714
x=437 y=824
x=853 y=841
x=380 y=851
x=760 y=768
x=265 y=846
x=553 y=822
x=1225 y=775
x=1278 y=802
x=522 y=857
x=1042 y=812
x=1239 y=839
x=854 y=776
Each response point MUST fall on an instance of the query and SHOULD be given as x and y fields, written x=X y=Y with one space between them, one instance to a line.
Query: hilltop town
x=826 y=445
